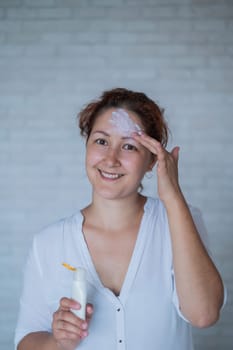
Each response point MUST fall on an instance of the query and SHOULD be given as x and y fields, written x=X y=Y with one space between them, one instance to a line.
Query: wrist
x=174 y=201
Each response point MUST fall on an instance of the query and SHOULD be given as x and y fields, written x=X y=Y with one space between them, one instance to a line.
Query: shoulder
x=155 y=207
x=48 y=245
x=155 y=204
x=54 y=234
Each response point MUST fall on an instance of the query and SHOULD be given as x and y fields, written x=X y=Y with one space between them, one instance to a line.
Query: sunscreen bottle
x=79 y=291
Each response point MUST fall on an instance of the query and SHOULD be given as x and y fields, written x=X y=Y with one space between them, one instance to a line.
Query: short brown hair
x=147 y=110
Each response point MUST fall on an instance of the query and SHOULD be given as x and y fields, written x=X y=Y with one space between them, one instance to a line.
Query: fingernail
x=76 y=305
x=84 y=326
x=84 y=334
x=136 y=133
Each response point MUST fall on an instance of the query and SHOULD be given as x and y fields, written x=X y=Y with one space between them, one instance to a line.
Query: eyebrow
x=101 y=132
x=106 y=134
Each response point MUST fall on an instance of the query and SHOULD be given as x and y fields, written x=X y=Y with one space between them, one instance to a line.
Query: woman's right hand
x=68 y=329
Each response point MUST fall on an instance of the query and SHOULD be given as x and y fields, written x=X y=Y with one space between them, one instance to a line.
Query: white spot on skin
x=123 y=123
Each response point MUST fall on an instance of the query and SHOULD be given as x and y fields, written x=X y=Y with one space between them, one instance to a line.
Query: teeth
x=110 y=176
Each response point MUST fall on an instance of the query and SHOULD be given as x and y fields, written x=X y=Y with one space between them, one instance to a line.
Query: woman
x=150 y=276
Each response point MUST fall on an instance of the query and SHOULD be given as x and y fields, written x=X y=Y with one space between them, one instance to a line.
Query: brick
x=9 y=3
x=2 y=13
x=55 y=13
x=9 y=26
x=21 y=13
x=40 y=3
x=12 y=50
x=73 y=4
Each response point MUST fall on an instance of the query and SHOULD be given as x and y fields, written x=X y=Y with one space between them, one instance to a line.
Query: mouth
x=110 y=176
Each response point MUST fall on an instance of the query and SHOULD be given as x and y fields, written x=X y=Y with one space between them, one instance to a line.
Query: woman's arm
x=199 y=285
x=38 y=341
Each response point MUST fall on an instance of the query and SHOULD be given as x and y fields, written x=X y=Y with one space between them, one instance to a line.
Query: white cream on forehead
x=122 y=122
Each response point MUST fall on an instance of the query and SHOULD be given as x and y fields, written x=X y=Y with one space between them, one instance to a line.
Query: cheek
x=139 y=164
x=93 y=156
x=128 y=159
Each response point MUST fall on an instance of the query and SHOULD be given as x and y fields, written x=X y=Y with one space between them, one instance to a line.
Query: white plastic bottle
x=79 y=291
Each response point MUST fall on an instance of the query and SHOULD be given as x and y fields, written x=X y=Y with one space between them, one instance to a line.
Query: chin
x=109 y=195
x=114 y=195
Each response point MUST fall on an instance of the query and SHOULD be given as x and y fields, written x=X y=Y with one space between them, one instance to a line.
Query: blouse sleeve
x=33 y=313
x=201 y=228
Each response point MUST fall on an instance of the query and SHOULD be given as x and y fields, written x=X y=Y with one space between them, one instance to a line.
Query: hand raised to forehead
x=167 y=166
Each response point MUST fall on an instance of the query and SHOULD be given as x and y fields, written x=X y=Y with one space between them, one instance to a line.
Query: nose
x=112 y=157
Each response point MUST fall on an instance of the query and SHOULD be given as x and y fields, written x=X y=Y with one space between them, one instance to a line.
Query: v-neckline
x=133 y=263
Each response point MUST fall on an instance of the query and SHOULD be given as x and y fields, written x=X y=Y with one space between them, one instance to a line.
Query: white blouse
x=145 y=315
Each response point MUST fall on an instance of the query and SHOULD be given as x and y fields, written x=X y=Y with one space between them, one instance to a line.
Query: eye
x=129 y=147
x=101 y=142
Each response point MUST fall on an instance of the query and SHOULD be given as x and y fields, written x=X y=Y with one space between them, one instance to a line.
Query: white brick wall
x=56 y=55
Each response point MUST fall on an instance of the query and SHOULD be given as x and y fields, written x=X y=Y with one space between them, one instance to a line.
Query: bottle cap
x=79 y=274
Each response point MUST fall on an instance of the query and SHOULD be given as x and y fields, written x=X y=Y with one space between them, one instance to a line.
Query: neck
x=116 y=213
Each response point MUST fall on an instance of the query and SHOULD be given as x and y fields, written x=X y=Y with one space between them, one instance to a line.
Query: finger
x=62 y=325
x=80 y=330
x=64 y=335
x=89 y=312
x=67 y=304
x=148 y=142
x=69 y=317
x=61 y=335
x=69 y=322
x=154 y=147
x=175 y=153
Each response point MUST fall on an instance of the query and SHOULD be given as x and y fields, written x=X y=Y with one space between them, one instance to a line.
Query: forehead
x=105 y=117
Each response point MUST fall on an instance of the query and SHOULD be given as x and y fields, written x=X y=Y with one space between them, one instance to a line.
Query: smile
x=110 y=175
